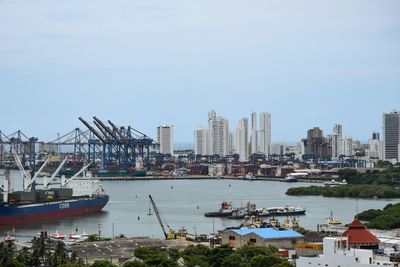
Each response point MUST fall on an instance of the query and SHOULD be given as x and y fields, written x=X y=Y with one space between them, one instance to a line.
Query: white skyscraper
x=391 y=135
x=219 y=134
x=201 y=141
x=265 y=133
x=254 y=143
x=242 y=140
x=347 y=145
x=337 y=149
x=165 y=137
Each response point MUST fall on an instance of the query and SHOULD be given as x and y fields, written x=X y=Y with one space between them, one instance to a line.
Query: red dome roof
x=358 y=234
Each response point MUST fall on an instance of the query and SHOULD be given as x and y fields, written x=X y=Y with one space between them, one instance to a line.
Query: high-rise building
x=316 y=145
x=337 y=149
x=254 y=142
x=265 y=133
x=375 y=136
x=391 y=135
x=347 y=144
x=201 y=141
x=231 y=142
x=165 y=137
x=242 y=140
x=278 y=149
x=219 y=134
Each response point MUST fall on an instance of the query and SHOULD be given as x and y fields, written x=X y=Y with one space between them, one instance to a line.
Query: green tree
x=265 y=261
x=196 y=260
x=234 y=260
x=218 y=254
x=250 y=251
x=135 y=263
x=59 y=257
x=103 y=263
x=24 y=256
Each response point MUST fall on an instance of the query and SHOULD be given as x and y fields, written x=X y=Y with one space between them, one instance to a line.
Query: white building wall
x=219 y=134
x=265 y=133
x=347 y=143
x=254 y=141
x=242 y=140
x=375 y=149
x=201 y=141
x=334 y=255
x=165 y=137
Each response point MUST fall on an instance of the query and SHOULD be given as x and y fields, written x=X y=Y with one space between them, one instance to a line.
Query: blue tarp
x=269 y=233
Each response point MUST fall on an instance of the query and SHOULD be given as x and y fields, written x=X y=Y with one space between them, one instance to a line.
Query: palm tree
x=7 y=251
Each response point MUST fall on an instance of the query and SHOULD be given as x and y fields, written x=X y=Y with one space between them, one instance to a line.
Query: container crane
x=171 y=233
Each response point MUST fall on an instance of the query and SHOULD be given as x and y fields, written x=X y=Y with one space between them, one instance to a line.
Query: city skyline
x=299 y=62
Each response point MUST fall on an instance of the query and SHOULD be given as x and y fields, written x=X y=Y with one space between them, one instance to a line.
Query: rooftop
x=269 y=233
x=358 y=234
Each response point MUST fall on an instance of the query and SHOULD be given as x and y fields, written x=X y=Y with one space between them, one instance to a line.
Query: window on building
x=253 y=240
x=231 y=237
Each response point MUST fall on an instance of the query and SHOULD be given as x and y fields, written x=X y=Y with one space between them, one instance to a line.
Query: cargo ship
x=77 y=195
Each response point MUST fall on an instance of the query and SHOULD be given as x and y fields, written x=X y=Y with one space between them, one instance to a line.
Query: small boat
x=250 y=177
x=9 y=238
x=286 y=210
x=290 y=179
x=225 y=210
x=332 y=221
x=333 y=182
x=57 y=236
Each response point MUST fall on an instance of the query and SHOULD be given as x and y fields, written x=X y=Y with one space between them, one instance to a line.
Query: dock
x=200 y=177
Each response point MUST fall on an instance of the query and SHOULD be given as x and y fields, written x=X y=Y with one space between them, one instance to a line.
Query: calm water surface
x=184 y=202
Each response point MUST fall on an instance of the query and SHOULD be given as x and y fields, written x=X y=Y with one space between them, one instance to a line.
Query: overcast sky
x=146 y=63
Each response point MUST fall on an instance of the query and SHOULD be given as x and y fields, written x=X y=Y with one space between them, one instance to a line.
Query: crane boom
x=157 y=212
x=53 y=176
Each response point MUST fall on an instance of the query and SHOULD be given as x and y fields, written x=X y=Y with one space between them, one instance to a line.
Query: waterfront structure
x=165 y=137
x=219 y=134
x=254 y=139
x=201 y=141
x=265 y=133
x=391 y=135
x=337 y=149
x=242 y=140
x=285 y=239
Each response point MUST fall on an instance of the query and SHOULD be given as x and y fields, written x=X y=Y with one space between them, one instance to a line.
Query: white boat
x=250 y=177
x=290 y=179
x=9 y=238
x=57 y=236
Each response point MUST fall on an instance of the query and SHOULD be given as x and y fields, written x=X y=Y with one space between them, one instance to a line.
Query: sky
x=145 y=63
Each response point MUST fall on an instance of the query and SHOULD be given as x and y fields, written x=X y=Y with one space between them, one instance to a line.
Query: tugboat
x=225 y=210
x=332 y=221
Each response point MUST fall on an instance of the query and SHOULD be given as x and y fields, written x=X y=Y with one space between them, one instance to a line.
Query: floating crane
x=171 y=233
